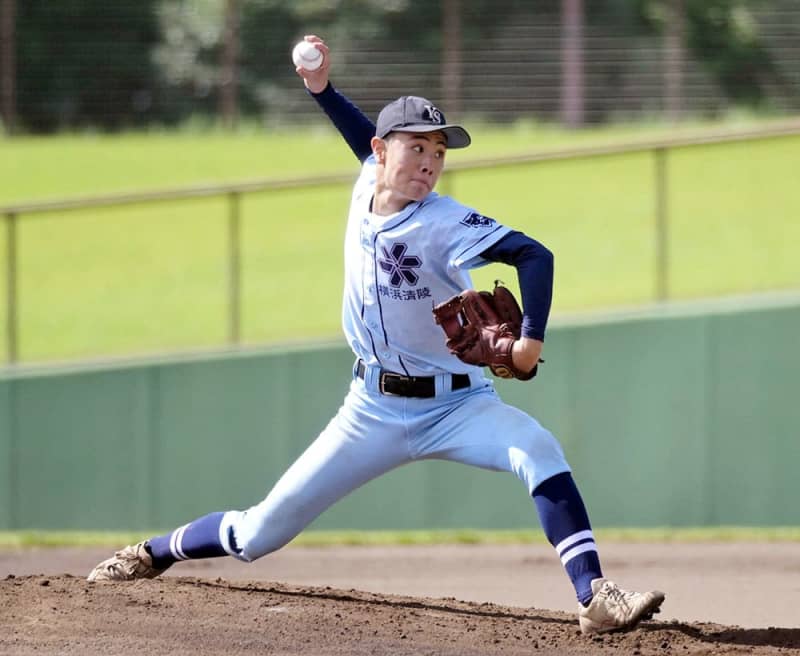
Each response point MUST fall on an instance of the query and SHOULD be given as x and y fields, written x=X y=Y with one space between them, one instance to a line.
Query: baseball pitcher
x=422 y=341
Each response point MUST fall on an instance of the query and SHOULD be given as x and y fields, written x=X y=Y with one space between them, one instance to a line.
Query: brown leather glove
x=481 y=329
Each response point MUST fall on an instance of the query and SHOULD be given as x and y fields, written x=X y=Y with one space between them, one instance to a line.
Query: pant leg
x=477 y=428
x=355 y=447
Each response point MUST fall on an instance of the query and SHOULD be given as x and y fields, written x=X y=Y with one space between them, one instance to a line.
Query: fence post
x=11 y=287
x=234 y=269
x=662 y=225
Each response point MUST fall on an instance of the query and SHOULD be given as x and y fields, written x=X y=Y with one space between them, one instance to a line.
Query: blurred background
x=139 y=63
x=172 y=206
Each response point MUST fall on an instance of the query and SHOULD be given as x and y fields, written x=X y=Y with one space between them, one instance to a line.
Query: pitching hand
x=317 y=80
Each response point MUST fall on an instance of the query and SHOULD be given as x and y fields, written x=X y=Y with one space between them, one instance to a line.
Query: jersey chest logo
x=399 y=265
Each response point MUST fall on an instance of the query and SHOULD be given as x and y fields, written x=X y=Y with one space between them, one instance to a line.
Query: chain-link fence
x=134 y=62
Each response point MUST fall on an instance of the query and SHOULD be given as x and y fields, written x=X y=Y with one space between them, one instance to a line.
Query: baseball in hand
x=307 y=56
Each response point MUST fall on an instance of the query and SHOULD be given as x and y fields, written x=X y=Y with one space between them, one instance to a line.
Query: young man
x=406 y=250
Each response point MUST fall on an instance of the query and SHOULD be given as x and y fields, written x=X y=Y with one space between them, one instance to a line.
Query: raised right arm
x=352 y=123
x=356 y=128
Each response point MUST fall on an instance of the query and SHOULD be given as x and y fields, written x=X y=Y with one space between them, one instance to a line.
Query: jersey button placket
x=366 y=235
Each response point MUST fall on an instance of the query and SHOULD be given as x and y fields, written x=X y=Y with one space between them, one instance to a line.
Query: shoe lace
x=118 y=567
x=124 y=561
x=618 y=595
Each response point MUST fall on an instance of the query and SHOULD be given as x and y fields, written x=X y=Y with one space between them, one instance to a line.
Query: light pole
x=8 y=64
x=572 y=90
x=229 y=73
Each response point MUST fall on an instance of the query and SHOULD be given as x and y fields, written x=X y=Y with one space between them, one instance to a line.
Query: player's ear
x=379 y=149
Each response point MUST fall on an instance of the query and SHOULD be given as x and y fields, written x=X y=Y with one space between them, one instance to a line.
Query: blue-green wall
x=670 y=418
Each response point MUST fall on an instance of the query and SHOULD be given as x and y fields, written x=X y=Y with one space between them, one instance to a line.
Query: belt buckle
x=385 y=375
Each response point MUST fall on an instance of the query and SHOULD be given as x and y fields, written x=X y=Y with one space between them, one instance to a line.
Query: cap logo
x=432 y=114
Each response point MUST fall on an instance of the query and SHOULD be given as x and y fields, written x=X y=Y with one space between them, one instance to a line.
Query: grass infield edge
x=39 y=538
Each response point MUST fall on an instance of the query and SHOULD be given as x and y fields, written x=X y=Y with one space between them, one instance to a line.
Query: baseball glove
x=481 y=329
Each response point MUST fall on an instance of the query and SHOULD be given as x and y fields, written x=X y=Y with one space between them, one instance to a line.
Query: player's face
x=413 y=163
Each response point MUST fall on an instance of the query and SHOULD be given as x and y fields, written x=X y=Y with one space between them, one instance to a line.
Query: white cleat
x=615 y=609
x=132 y=563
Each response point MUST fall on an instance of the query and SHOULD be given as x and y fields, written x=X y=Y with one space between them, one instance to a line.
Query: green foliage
x=85 y=62
x=187 y=56
x=723 y=36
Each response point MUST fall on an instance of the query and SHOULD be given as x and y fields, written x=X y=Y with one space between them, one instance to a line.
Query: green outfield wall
x=674 y=416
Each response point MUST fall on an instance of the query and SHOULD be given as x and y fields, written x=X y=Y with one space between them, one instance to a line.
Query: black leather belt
x=423 y=387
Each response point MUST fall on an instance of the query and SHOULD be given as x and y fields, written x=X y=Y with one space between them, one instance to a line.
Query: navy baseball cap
x=415 y=114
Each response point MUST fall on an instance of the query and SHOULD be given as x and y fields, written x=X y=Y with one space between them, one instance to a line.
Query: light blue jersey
x=398 y=267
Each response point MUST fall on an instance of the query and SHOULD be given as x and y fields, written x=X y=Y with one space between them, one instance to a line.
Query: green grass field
x=26 y=539
x=151 y=278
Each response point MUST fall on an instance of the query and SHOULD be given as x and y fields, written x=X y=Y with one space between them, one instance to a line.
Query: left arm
x=534 y=264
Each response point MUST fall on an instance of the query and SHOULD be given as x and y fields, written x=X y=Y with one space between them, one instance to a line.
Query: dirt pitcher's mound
x=174 y=615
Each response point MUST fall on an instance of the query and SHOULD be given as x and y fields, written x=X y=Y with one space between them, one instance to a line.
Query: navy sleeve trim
x=356 y=128
x=460 y=257
x=534 y=264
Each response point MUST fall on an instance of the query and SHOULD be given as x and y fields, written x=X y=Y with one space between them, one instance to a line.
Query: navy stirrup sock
x=198 y=539
x=566 y=525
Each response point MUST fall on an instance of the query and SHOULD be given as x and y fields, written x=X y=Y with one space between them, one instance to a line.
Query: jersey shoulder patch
x=453 y=214
x=475 y=220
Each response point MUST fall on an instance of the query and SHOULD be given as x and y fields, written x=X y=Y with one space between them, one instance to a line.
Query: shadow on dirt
x=451 y=607
x=786 y=638
x=712 y=633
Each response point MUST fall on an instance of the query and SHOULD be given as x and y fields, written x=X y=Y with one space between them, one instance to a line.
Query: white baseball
x=307 y=56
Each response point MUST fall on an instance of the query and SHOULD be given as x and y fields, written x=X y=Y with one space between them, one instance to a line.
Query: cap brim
x=457 y=137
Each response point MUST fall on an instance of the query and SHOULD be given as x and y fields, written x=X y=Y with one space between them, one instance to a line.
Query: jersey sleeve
x=534 y=264
x=470 y=234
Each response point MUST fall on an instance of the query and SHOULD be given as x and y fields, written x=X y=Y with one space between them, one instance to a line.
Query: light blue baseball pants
x=373 y=433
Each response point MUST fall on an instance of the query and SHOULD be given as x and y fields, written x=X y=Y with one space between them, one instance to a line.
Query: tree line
x=76 y=64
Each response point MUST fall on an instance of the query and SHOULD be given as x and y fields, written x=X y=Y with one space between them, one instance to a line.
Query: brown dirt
x=47 y=607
